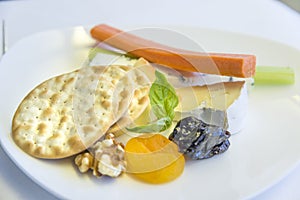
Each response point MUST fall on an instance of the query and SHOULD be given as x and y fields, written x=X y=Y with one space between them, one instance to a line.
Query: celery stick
x=274 y=75
x=94 y=51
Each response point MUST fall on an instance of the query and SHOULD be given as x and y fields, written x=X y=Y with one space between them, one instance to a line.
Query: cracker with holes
x=141 y=76
x=68 y=113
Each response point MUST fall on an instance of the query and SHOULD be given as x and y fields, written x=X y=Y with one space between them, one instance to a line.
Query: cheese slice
x=218 y=96
x=228 y=96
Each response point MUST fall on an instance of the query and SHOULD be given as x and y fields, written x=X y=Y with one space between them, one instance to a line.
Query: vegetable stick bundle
x=236 y=65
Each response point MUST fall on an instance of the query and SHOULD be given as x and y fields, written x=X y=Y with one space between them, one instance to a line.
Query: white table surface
x=266 y=18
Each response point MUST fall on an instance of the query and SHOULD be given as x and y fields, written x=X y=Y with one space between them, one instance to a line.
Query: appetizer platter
x=109 y=113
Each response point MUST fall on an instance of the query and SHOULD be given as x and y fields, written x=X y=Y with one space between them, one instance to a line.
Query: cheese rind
x=236 y=113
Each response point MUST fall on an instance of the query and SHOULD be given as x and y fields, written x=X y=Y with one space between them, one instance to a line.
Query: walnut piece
x=106 y=157
x=84 y=162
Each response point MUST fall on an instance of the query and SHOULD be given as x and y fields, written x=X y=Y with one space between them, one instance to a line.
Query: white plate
x=265 y=151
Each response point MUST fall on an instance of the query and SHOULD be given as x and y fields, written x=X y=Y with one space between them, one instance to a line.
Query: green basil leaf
x=163 y=98
x=163 y=101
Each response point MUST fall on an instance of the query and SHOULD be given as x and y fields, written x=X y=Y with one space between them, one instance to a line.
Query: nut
x=84 y=161
x=106 y=157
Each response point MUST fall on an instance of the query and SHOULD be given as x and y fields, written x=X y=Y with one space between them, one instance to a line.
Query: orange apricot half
x=153 y=159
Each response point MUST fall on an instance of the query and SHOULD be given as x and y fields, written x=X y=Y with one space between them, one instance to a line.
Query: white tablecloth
x=266 y=18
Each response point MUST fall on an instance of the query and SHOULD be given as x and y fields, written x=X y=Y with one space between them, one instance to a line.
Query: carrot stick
x=238 y=65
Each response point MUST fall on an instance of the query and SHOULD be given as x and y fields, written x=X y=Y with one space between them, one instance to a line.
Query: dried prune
x=199 y=140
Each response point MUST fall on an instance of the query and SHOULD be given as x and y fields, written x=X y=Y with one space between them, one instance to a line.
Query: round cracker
x=137 y=106
x=66 y=114
x=140 y=77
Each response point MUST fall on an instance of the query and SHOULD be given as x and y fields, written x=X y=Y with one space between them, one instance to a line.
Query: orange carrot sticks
x=237 y=65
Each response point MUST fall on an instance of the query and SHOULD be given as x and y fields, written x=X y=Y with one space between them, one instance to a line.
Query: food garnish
x=163 y=100
x=237 y=65
x=199 y=140
x=153 y=159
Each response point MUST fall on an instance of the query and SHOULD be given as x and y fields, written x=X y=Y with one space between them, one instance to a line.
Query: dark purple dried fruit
x=199 y=140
